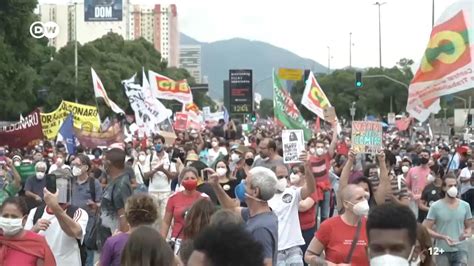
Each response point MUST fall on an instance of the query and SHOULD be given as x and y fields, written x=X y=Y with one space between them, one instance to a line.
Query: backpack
x=70 y=212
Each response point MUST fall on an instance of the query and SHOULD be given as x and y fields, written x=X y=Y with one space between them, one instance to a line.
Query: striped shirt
x=399 y=189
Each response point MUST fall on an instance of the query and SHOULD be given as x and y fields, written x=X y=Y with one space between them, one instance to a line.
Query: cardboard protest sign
x=330 y=114
x=22 y=133
x=366 y=137
x=181 y=122
x=293 y=145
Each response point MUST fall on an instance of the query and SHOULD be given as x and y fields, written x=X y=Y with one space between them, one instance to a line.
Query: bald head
x=348 y=192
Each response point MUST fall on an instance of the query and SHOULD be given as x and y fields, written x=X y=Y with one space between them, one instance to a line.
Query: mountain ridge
x=220 y=56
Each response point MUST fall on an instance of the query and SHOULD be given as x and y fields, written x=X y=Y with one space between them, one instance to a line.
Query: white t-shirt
x=285 y=206
x=466 y=173
x=64 y=247
x=212 y=154
x=140 y=170
x=160 y=182
x=54 y=167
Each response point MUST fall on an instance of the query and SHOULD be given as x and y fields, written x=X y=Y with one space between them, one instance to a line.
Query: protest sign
x=85 y=117
x=366 y=136
x=181 y=122
x=293 y=145
x=22 y=133
x=25 y=171
x=93 y=139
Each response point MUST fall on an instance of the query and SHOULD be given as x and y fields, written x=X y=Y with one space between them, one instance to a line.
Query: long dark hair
x=198 y=217
x=146 y=247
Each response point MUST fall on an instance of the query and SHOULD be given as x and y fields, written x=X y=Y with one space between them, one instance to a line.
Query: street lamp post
x=75 y=49
x=433 y=14
x=350 y=49
x=380 y=34
x=353 y=110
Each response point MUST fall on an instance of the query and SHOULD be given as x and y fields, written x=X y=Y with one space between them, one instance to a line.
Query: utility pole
x=380 y=34
x=433 y=14
x=75 y=49
x=350 y=49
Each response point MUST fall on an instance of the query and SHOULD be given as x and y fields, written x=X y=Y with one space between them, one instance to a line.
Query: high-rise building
x=190 y=59
x=157 y=24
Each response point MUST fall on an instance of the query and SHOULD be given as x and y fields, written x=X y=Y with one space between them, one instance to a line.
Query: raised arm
x=384 y=187
x=310 y=185
x=225 y=201
x=332 y=146
x=67 y=224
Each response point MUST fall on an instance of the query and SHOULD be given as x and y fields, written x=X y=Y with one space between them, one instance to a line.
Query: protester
x=63 y=226
x=225 y=180
x=453 y=220
x=197 y=218
x=269 y=157
x=178 y=204
x=11 y=180
x=465 y=177
x=257 y=189
x=422 y=254
x=215 y=151
x=116 y=193
x=146 y=246
x=35 y=184
x=335 y=234
x=285 y=205
x=226 y=244
x=19 y=246
x=225 y=216
x=140 y=210
x=58 y=164
x=86 y=194
x=392 y=233
x=416 y=180
x=431 y=193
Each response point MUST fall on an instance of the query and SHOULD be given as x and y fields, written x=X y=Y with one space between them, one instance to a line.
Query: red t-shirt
x=16 y=257
x=320 y=167
x=342 y=148
x=336 y=236
x=178 y=204
x=308 y=218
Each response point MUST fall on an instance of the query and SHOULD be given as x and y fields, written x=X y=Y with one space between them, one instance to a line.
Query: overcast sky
x=308 y=27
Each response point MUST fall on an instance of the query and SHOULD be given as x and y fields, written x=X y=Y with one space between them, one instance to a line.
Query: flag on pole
x=285 y=109
x=66 y=134
x=314 y=97
x=317 y=126
x=165 y=88
x=100 y=92
x=446 y=66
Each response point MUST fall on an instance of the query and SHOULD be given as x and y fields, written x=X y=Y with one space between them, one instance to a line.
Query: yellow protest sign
x=85 y=117
x=290 y=74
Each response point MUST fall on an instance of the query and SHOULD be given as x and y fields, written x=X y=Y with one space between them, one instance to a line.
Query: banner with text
x=366 y=137
x=165 y=88
x=94 y=139
x=293 y=145
x=241 y=91
x=86 y=117
x=22 y=133
x=103 y=10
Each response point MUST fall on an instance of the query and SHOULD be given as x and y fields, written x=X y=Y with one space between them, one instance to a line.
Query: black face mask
x=469 y=164
x=424 y=160
x=249 y=161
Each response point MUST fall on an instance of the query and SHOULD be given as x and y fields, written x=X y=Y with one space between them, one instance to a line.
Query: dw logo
x=49 y=30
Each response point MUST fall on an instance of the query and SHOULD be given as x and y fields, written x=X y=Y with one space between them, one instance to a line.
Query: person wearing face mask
x=225 y=180
x=86 y=194
x=432 y=192
x=35 y=184
x=178 y=204
x=58 y=164
x=320 y=157
x=139 y=166
x=19 y=246
x=285 y=204
x=215 y=151
x=391 y=232
x=453 y=219
x=343 y=238
x=256 y=190
x=306 y=207
x=416 y=180
x=10 y=180
x=465 y=177
x=268 y=154
x=97 y=160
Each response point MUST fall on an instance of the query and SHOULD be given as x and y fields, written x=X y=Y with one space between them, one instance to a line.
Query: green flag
x=285 y=109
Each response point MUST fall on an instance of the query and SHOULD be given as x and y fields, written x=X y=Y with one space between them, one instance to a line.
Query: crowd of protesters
x=221 y=196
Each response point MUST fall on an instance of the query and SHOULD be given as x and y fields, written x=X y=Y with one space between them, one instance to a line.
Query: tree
x=20 y=58
x=266 y=108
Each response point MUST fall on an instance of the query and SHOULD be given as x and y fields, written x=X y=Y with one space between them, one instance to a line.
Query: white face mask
x=452 y=192
x=405 y=169
x=40 y=175
x=430 y=178
x=214 y=144
x=360 y=208
x=50 y=155
x=221 y=171
x=235 y=157
x=141 y=158
x=388 y=259
x=312 y=150
x=11 y=226
x=17 y=163
x=294 y=178
x=76 y=171
x=319 y=151
x=59 y=161
x=281 y=184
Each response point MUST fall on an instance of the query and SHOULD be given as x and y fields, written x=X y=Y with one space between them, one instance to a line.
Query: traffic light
x=253 y=117
x=358 y=80
x=469 y=119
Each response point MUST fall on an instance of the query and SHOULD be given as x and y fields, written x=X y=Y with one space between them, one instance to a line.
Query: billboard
x=240 y=91
x=103 y=10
